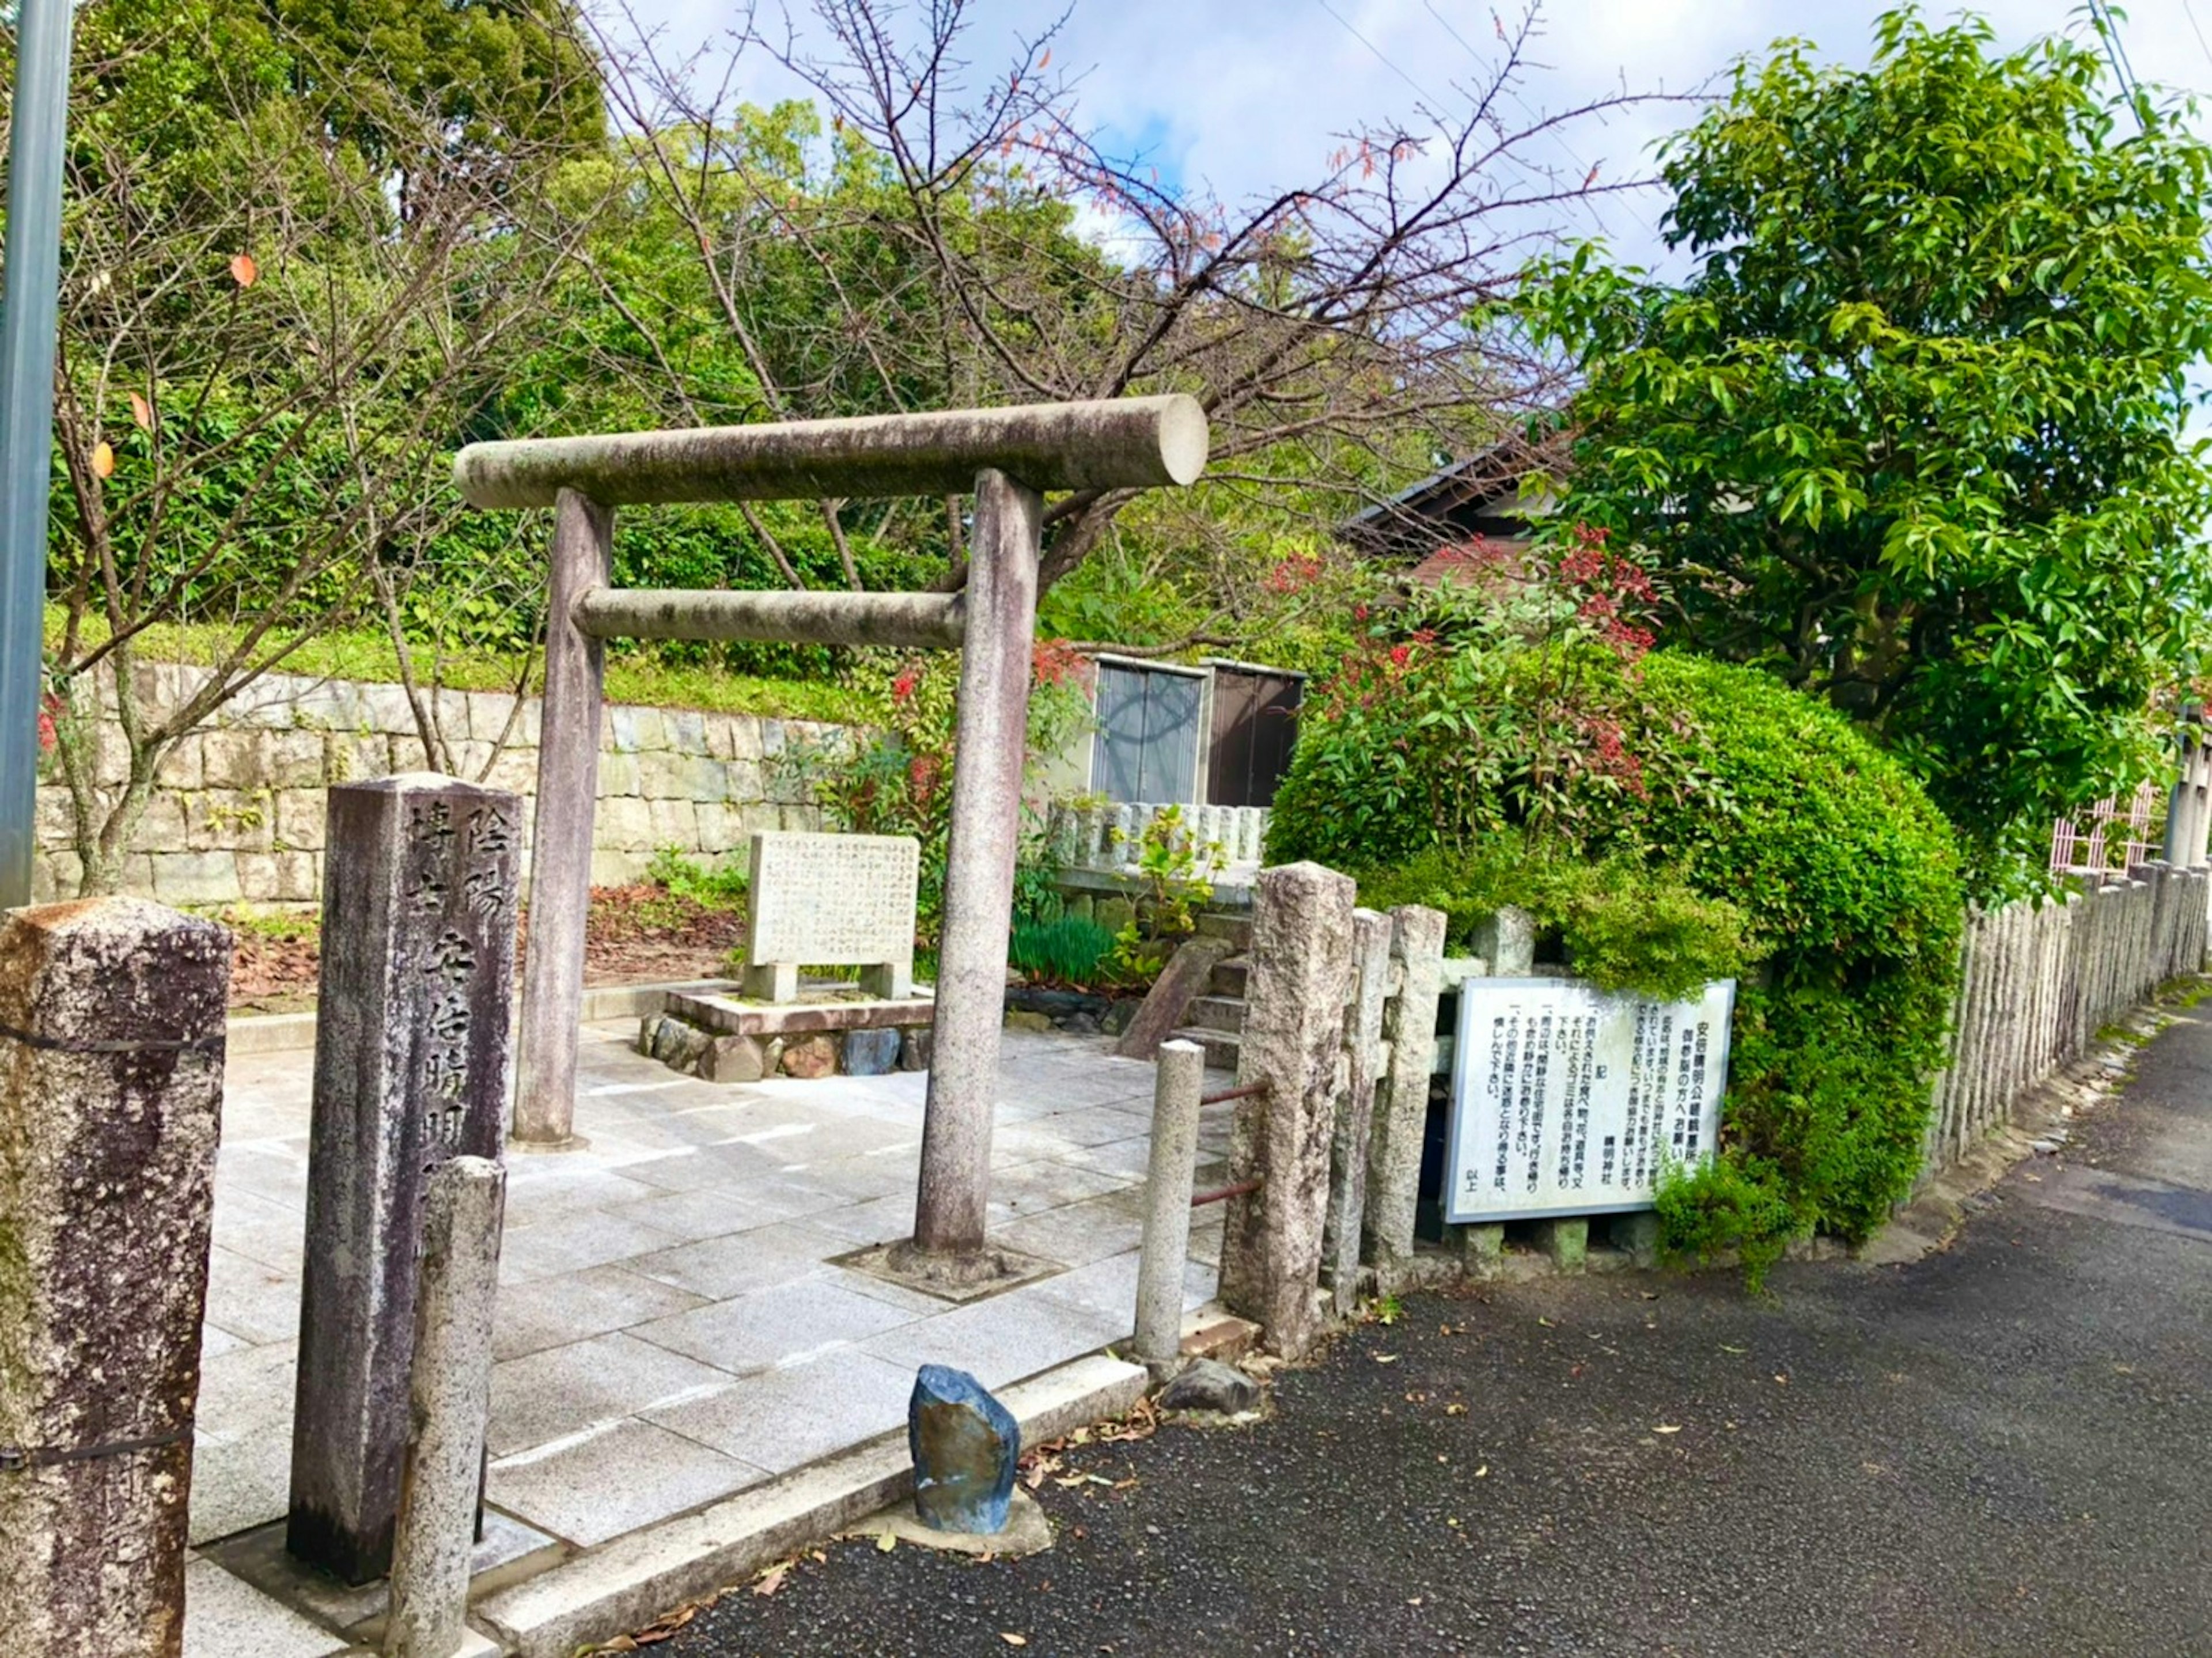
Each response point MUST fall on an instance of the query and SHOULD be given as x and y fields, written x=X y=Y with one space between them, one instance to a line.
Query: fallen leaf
x=1483 y=1473
x=1455 y=1410
x=1781 y=1378
x=886 y=1543
x=243 y=270
x=772 y=1580
x=1547 y=1324
x=1012 y=1639
x=141 y=411
x=103 y=460
x=1386 y=1358
x=1727 y=1349
x=1667 y=1428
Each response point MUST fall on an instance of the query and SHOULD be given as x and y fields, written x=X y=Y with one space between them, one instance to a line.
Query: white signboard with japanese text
x=1567 y=1100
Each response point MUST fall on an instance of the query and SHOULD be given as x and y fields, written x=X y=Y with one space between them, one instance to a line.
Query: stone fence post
x=1401 y=1100
x=1295 y=989
x=1366 y=1056
x=450 y=1393
x=110 y=1095
x=412 y=1052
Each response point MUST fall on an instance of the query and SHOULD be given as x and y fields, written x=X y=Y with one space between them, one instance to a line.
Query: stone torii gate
x=1008 y=458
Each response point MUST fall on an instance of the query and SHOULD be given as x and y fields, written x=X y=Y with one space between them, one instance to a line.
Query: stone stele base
x=1028 y=1531
x=724 y=1038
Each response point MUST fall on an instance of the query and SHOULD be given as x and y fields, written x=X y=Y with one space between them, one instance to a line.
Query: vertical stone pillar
x=1295 y=992
x=1402 y=1104
x=561 y=842
x=110 y=1094
x=1171 y=1172
x=450 y=1404
x=1365 y=1057
x=989 y=741
x=411 y=1057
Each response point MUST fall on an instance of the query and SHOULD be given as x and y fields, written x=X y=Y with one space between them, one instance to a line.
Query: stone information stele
x=831 y=901
x=110 y=1092
x=412 y=1052
x=1568 y=1100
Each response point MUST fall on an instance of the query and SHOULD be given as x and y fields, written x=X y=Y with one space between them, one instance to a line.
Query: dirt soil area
x=636 y=935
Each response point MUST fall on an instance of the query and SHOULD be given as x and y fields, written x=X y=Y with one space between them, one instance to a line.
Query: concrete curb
x=287 y=1033
x=628 y=1582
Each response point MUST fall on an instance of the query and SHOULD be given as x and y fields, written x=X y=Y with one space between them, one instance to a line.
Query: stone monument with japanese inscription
x=412 y=1052
x=831 y=901
x=1567 y=1100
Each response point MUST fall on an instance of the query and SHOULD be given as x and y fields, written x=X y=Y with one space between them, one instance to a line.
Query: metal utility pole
x=28 y=317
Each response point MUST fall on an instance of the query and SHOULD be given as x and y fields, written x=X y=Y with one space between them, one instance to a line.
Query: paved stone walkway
x=672 y=1324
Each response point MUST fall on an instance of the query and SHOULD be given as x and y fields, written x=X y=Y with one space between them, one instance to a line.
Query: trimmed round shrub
x=1435 y=772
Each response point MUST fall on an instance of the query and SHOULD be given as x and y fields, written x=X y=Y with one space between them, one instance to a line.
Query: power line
x=1552 y=133
x=1379 y=53
x=2198 y=29
x=2114 y=52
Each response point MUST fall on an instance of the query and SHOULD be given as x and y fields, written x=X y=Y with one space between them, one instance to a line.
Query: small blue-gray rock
x=915 y=1048
x=871 y=1053
x=965 y=1444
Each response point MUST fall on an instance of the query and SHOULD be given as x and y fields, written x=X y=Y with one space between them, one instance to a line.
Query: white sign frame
x=1538 y=1178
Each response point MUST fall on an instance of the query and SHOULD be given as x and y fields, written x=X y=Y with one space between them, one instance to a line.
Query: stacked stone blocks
x=236 y=814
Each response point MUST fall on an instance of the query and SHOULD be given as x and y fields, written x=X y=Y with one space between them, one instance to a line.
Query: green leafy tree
x=1913 y=434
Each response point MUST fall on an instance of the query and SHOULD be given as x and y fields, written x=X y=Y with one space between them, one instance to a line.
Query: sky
x=1244 y=96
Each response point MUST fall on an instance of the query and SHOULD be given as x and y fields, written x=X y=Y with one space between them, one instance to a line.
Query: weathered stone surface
x=734 y=1060
x=111 y=1090
x=1207 y=1384
x=1402 y=1101
x=965 y=1445
x=1178 y=1079
x=1296 y=990
x=1349 y=1139
x=1186 y=976
x=1636 y=1236
x=1023 y=1018
x=680 y=1044
x=449 y=1405
x=1482 y=1247
x=812 y=1055
x=829 y=900
x=1508 y=941
x=1565 y=1241
x=871 y=1053
x=914 y=1044
x=412 y=1053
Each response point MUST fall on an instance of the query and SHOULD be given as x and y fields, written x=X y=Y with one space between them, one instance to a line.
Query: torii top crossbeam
x=1126 y=443
x=1008 y=458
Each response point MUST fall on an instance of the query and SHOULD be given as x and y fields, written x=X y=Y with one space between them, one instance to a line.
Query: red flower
x=903 y=686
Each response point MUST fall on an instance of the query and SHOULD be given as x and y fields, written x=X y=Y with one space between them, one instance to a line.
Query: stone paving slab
x=673 y=1330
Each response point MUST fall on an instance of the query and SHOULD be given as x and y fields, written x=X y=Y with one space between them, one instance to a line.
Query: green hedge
x=1668 y=781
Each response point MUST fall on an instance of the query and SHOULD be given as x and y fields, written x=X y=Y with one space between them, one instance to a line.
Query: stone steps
x=1221 y=1046
x=1217 y=1013
x=1237 y=929
x=1228 y=977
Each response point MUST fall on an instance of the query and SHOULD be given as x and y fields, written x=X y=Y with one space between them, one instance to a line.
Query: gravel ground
x=2004 y=1449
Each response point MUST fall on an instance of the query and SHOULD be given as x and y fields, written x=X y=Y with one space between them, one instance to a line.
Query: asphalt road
x=2004 y=1449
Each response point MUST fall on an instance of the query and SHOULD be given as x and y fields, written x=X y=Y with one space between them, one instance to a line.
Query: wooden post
x=111 y=1091
x=560 y=846
x=989 y=741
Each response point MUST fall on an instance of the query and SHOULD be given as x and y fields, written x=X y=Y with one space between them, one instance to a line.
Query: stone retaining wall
x=237 y=812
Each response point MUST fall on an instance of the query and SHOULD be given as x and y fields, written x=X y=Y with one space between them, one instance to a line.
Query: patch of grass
x=639 y=677
x=280 y=926
x=722 y=887
x=2186 y=993
x=2122 y=1033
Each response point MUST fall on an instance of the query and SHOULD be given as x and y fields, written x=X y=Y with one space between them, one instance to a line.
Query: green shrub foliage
x=1670 y=818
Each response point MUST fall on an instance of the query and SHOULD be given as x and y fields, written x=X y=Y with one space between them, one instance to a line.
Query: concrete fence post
x=111 y=1095
x=1402 y=1101
x=1352 y=1134
x=412 y=1052
x=1171 y=1170
x=561 y=844
x=449 y=1397
x=1295 y=989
